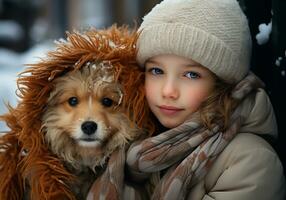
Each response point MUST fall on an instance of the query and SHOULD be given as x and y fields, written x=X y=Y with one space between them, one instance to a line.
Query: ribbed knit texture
x=214 y=33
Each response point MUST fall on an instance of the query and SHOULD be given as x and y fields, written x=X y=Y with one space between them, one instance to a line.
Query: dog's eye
x=107 y=102
x=73 y=101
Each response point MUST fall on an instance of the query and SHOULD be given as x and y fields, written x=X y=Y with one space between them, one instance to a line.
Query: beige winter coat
x=248 y=168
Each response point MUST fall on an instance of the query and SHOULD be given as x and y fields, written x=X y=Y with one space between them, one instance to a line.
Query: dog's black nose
x=89 y=127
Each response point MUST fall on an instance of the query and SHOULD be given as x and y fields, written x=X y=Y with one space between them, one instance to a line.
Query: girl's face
x=175 y=88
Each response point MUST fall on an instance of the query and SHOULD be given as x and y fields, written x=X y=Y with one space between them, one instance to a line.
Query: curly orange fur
x=45 y=173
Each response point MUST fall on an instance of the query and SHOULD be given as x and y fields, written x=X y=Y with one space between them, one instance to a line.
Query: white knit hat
x=214 y=33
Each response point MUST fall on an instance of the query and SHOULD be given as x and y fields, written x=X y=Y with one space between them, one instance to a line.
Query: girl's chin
x=169 y=124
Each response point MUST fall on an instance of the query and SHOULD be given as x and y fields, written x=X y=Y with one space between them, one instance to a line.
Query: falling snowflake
x=264 y=32
x=278 y=60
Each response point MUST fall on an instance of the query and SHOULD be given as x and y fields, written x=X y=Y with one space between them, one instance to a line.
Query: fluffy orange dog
x=75 y=117
x=84 y=121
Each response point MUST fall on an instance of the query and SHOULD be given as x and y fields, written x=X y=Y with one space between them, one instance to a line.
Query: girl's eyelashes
x=192 y=75
x=155 y=71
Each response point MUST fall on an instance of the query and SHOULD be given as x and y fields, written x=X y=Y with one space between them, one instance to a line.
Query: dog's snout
x=89 y=127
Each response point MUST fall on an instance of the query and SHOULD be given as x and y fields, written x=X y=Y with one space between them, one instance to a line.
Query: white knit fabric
x=214 y=33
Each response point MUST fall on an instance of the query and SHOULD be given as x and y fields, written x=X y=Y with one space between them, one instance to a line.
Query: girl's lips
x=169 y=110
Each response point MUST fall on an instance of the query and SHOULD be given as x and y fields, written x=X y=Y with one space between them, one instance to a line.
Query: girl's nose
x=170 y=90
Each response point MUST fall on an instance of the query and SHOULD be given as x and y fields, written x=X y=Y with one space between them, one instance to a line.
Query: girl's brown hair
x=219 y=105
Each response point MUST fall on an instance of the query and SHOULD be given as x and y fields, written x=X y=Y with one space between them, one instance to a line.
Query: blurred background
x=28 y=29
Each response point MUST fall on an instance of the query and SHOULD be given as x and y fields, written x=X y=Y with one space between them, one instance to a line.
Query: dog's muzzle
x=89 y=127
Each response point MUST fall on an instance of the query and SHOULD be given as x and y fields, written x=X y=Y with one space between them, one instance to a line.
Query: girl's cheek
x=149 y=82
x=197 y=94
x=149 y=90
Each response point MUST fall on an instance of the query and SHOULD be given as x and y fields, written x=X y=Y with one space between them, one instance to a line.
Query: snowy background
x=11 y=63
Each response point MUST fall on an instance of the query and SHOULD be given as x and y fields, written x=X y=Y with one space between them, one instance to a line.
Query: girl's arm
x=247 y=169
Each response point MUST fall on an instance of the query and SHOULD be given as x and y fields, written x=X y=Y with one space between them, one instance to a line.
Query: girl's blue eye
x=192 y=75
x=155 y=71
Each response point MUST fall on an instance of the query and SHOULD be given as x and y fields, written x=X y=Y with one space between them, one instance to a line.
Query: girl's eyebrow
x=191 y=66
x=183 y=65
x=196 y=65
x=152 y=61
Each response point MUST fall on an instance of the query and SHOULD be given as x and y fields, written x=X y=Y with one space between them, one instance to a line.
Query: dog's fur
x=84 y=121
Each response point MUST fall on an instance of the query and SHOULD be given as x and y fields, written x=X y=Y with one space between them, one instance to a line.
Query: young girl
x=196 y=56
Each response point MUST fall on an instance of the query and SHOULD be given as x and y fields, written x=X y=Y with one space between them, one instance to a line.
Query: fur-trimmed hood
x=23 y=149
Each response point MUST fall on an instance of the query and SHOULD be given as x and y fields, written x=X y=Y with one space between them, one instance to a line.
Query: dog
x=84 y=121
